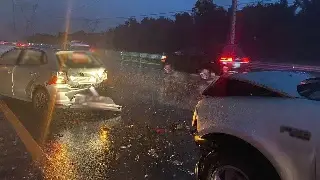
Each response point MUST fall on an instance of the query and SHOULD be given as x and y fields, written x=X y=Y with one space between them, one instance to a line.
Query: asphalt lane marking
x=31 y=145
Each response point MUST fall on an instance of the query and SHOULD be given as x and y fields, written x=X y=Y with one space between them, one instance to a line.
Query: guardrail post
x=140 y=64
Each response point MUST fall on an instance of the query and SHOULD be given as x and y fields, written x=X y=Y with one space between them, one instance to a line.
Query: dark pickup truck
x=230 y=60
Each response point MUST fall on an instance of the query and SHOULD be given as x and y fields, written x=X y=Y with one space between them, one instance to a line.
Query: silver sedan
x=43 y=75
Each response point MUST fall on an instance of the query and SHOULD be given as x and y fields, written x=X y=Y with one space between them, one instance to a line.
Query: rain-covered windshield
x=116 y=89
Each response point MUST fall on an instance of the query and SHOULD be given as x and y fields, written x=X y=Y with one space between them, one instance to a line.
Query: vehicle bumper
x=231 y=68
x=205 y=150
x=81 y=98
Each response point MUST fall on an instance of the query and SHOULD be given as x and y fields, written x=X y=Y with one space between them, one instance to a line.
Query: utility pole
x=233 y=22
x=14 y=16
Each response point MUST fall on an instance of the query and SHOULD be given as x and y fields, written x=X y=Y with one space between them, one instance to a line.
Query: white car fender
x=262 y=131
x=265 y=146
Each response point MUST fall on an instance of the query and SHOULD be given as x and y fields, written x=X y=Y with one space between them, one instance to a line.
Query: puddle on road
x=80 y=152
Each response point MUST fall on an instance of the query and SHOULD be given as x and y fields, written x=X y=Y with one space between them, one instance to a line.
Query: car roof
x=72 y=51
x=285 y=82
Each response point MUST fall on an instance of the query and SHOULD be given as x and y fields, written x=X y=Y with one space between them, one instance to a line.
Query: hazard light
x=226 y=59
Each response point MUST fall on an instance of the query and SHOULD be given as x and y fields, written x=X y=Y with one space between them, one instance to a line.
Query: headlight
x=194 y=118
x=105 y=74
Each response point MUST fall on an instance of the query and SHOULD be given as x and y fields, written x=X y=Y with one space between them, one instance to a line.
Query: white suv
x=259 y=125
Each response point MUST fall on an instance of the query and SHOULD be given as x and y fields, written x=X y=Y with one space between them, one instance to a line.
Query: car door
x=27 y=72
x=8 y=62
x=316 y=97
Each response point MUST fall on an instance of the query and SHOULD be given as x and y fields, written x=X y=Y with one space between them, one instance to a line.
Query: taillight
x=58 y=78
x=245 y=60
x=226 y=59
x=20 y=44
x=163 y=59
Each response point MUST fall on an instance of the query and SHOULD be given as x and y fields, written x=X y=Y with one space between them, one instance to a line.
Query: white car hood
x=283 y=82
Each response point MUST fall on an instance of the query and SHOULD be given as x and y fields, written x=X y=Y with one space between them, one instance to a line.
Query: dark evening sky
x=50 y=14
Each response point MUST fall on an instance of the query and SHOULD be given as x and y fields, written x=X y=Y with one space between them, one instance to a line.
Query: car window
x=77 y=60
x=10 y=57
x=232 y=87
x=32 y=57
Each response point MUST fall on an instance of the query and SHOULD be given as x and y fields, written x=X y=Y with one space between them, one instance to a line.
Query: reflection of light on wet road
x=77 y=153
x=59 y=166
x=104 y=137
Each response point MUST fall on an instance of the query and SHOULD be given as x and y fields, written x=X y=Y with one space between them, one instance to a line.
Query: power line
x=151 y=14
x=93 y=23
x=233 y=21
x=14 y=16
x=85 y=5
x=127 y=17
x=29 y=20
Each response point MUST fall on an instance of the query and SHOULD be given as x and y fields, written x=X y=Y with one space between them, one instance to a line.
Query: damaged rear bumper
x=82 y=99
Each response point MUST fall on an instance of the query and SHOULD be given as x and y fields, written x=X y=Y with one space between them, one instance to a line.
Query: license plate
x=92 y=79
x=236 y=65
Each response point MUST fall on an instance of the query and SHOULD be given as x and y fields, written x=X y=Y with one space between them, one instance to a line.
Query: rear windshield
x=80 y=48
x=77 y=60
x=232 y=87
x=232 y=50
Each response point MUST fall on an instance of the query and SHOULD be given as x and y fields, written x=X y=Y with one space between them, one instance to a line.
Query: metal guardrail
x=144 y=58
x=141 y=58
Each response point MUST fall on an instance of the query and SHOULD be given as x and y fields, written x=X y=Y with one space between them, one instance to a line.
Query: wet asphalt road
x=149 y=139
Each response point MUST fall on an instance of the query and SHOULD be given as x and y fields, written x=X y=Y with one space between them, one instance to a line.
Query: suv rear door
x=27 y=72
x=81 y=67
x=8 y=62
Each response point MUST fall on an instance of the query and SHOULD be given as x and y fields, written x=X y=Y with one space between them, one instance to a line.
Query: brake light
x=226 y=59
x=163 y=59
x=58 y=78
x=245 y=60
x=22 y=45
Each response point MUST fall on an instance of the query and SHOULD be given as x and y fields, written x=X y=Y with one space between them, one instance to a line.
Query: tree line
x=270 y=30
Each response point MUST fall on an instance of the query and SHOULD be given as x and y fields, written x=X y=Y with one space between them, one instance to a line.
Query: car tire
x=205 y=74
x=240 y=164
x=40 y=100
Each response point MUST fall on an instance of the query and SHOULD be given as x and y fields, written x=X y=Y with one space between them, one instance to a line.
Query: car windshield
x=77 y=60
x=159 y=89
